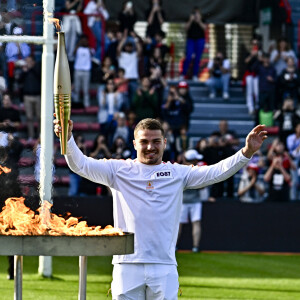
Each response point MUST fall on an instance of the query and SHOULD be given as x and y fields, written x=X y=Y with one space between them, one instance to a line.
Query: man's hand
x=57 y=127
x=254 y=140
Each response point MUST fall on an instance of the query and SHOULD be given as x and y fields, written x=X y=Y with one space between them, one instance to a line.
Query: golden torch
x=62 y=90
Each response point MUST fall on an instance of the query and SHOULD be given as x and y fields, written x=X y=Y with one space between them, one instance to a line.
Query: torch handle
x=62 y=103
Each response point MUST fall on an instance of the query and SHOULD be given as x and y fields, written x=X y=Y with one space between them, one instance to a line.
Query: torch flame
x=55 y=22
x=4 y=170
x=17 y=219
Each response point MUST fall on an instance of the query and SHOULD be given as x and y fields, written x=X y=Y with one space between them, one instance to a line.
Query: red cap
x=253 y=167
x=183 y=84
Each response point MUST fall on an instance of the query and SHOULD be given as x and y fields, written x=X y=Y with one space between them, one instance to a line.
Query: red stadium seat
x=274 y=130
x=94 y=126
x=26 y=162
x=26 y=179
x=81 y=126
x=77 y=111
x=89 y=144
x=60 y=162
x=92 y=110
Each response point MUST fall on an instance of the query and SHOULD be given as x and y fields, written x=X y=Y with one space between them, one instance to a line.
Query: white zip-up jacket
x=147 y=199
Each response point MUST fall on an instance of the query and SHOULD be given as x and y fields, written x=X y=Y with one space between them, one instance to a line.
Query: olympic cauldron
x=26 y=233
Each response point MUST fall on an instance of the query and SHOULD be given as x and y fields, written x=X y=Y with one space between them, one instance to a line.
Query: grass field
x=202 y=276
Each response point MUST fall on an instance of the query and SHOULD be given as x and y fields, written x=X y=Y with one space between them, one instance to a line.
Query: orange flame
x=4 y=169
x=56 y=23
x=17 y=219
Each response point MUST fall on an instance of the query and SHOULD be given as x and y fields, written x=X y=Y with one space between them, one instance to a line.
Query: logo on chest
x=149 y=185
x=162 y=175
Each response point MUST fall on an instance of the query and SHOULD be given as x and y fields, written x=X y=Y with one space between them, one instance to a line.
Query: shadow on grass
x=52 y=278
x=239 y=288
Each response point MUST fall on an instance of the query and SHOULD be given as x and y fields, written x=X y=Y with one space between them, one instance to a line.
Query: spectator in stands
x=174 y=109
x=184 y=92
x=128 y=58
x=108 y=70
x=82 y=71
x=127 y=18
x=7 y=23
x=286 y=118
x=228 y=135
x=122 y=87
x=3 y=68
x=145 y=103
x=16 y=53
x=293 y=146
x=278 y=173
x=3 y=86
x=279 y=56
x=219 y=71
x=213 y=153
x=109 y=103
x=72 y=26
x=192 y=202
x=121 y=130
x=252 y=58
x=100 y=149
x=182 y=144
x=31 y=87
x=75 y=179
x=10 y=5
x=10 y=118
x=195 y=41
x=169 y=154
x=95 y=24
x=201 y=146
x=228 y=144
x=267 y=79
x=289 y=81
x=120 y=150
x=113 y=39
x=155 y=17
x=157 y=82
x=157 y=56
x=251 y=189
x=156 y=60
x=259 y=160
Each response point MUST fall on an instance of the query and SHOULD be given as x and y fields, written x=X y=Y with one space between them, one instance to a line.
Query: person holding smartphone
x=127 y=18
x=195 y=42
x=155 y=17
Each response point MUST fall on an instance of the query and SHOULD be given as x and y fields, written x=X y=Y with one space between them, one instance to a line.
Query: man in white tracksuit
x=147 y=199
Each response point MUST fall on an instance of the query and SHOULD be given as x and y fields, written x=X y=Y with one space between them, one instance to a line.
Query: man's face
x=150 y=146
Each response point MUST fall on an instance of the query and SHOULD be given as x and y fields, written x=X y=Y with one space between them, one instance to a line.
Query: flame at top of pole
x=56 y=22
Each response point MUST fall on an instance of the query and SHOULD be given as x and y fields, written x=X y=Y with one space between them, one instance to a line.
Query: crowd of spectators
x=130 y=74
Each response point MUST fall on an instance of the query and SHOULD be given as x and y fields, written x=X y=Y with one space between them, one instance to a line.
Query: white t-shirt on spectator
x=280 y=64
x=83 y=59
x=225 y=65
x=92 y=9
x=129 y=62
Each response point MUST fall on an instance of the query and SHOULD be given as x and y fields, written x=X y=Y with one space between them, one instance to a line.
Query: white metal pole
x=18 y=276
x=45 y=262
